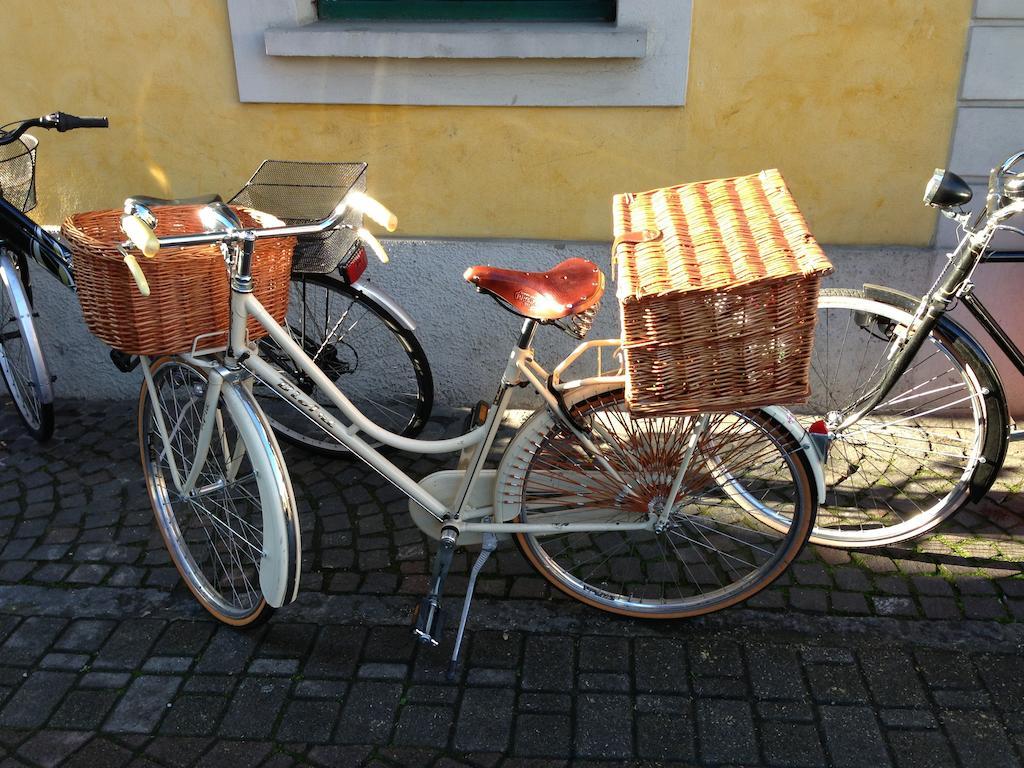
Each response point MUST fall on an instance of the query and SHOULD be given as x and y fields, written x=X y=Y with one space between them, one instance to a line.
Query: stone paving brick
x=594 y=737
x=184 y=638
x=543 y=736
x=709 y=658
x=940 y=607
x=484 y=721
x=978 y=739
x=659 y=665
x=193 y=715
x=369 y=713
x=853 y=738
x=725 y=731
x=775 y=672
x=792 y=744
x=311 y=721
x=52 y=748
x=894 y=606
x=228 y=652
x=128 y=645
x=945 y=669
x=84 y=635
x=105 y=680
x=84 y=710
x=424 y=725
x=920 y=749
x=32 y=704
x=336 y=652
x=849 y=602
x=143 y=705
x=255 y=707
x=604 y=654
x=890 y=677
x=320 y=689
x=100 y=752
x=548 y=663
x=665 y=736
x=29 y=642
x=836 y=684
x=178 y=750
x=983 y=607
x=545 y=702
x=794 y=711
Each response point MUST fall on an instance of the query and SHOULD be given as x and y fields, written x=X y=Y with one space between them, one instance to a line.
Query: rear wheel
x=367 y=353
x=743 y=512
x=21 y=355
x=235 y=537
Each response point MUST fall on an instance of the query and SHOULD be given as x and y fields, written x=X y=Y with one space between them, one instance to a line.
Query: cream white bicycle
x=653 y=517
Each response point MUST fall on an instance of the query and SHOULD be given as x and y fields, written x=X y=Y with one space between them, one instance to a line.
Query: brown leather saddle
x=569 y=288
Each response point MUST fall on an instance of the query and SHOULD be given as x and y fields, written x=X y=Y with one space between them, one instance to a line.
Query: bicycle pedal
x=477 y=415
x=428 y=622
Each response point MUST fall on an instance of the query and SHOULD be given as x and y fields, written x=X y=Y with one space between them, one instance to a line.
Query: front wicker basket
x=189 y=286
x=718 y=288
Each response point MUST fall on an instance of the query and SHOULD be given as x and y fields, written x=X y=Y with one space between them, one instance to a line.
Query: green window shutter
x=480 y=10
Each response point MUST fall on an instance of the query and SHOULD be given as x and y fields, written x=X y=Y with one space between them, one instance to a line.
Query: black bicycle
x=21 y=356
x=358 y=334
x=906 y=405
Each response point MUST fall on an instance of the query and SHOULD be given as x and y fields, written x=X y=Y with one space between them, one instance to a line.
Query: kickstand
x=490 y=543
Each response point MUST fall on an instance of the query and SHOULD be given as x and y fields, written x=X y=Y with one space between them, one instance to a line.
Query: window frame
x=284 y=54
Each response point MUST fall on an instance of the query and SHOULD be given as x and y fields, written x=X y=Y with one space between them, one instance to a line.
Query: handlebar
x=62 y=121
x=138 y=223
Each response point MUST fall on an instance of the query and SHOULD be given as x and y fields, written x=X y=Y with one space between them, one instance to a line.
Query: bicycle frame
x=26 y=237
x=241 y=359
x=969 y=253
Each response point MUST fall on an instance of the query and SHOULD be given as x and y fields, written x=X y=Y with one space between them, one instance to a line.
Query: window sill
x=455 y=40
x=283 y=54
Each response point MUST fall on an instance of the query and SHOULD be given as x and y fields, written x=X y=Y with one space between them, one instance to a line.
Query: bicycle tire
x=382 y=369
x=711 y=555
x=22 y=364
x=905 y=466
x=243 y=494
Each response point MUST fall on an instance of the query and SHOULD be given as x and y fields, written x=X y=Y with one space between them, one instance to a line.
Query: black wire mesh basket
x=18 y=173
x=302 y=193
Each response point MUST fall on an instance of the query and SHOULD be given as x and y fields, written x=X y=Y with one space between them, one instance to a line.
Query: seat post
x=527 y=334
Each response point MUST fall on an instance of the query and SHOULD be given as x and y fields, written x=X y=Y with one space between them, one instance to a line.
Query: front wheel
x=234 y=537
x=743 y=512
x=21 y=356
x=906 y=465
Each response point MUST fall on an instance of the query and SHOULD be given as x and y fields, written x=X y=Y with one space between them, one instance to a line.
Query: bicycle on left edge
x=351 y=328
x=21 y=356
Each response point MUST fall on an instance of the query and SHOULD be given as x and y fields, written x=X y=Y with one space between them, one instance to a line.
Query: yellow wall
x=854 y=101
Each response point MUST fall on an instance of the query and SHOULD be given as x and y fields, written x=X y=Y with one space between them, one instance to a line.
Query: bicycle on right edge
x=907 y=408
x=643 y=516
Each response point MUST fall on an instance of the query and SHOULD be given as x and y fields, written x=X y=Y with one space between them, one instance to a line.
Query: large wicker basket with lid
x=718 y=288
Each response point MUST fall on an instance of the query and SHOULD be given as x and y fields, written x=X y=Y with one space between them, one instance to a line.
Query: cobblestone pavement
x=907 y=656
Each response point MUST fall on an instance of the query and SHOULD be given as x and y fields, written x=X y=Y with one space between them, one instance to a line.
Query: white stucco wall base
x=466 y=335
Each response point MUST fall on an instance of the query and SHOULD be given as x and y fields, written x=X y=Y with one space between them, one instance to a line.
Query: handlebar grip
x=368 y=239
x=363 y=203
x=66 y=122
x=140 y=235
x=140 y=279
